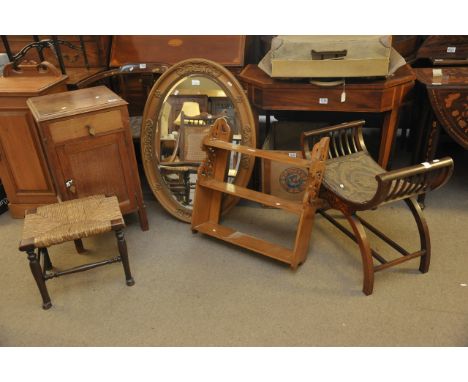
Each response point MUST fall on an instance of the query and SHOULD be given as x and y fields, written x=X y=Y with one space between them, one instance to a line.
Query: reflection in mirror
x=189 y=109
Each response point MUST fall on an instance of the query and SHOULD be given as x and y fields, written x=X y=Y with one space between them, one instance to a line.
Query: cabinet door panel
x=98 y=165
x=24 y=165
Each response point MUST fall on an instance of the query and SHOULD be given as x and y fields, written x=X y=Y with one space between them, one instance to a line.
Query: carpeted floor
x=192 y=290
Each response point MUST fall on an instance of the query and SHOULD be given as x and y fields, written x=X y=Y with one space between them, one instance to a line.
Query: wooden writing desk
x=380 y=96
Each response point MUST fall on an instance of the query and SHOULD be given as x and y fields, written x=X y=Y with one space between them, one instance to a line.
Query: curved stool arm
x=411 y=181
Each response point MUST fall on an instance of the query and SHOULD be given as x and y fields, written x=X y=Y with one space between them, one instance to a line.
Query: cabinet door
x=22 y=164
x=98 y=165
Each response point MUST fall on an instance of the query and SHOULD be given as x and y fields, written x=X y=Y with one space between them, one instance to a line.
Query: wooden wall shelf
x=211 y=185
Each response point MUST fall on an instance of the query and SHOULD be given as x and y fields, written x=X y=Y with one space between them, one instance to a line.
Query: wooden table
x=443 y=98
x=380 y=96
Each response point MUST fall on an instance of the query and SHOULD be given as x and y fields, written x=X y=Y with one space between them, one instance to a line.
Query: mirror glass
x=188 y=110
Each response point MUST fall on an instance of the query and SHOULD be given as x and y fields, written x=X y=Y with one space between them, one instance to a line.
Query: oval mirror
x=181 y=107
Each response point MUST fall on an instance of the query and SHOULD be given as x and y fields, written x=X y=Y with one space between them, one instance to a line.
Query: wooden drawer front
x=86 y=126
x=319 y=100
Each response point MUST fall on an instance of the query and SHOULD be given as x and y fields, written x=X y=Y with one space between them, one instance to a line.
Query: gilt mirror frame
x=151 y=127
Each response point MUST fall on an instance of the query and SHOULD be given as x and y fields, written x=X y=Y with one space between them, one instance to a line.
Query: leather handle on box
x=31 y=68
x=328 y=54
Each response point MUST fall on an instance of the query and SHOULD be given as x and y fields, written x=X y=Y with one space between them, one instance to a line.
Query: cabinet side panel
x=20 y=151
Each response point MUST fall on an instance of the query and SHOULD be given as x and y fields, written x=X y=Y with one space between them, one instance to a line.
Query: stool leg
x=79 y=246
x=124 y=256
x=424 y=237
x=37 y=273
x=366 y=255
x=47 y=263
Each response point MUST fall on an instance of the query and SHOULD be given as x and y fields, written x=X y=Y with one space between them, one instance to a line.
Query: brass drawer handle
x=91 y=130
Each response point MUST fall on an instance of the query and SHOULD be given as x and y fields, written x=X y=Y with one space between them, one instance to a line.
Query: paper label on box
x=292 y=155
x=323 y=101
x=451 y=49
x=142 y=66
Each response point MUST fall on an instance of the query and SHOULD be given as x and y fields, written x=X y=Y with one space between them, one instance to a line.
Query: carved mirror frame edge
x=149 y=128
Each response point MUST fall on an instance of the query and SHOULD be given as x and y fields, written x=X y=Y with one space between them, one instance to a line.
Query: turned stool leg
x=124 y=256
x=37 y=273
x=79 y=246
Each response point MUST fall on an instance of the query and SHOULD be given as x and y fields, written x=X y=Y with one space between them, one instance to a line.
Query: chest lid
x=59 y=105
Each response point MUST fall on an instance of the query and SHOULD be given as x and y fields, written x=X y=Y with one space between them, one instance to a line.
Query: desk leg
x=388 y=136
x=255 y=178
x=432 y=141
x=267 y=124
x=423 y=126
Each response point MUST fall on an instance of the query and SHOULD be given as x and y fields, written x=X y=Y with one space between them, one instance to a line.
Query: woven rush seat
x=71 y=220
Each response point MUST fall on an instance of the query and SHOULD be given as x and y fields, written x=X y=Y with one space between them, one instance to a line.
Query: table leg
x=388 y=136
x=422 y=125
x=430 y=149
x=267 y=124
x=432 y=140
x=255 y=178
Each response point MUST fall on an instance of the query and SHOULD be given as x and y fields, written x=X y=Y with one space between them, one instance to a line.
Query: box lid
x=29 y=79
x=225 y=50
x=59 y=105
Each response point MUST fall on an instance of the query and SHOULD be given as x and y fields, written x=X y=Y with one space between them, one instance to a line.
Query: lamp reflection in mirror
x=190 y=109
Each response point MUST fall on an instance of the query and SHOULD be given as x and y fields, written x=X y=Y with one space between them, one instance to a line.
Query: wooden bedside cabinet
x=89 y=147
x=23 y=166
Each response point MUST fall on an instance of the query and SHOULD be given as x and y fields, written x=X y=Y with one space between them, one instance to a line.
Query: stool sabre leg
x=124 y=256
x=47 y=263
x=37 y=274
x=79 y=246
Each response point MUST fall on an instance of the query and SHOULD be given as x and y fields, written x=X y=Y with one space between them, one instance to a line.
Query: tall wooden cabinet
x=23 y=167
x=88 y=143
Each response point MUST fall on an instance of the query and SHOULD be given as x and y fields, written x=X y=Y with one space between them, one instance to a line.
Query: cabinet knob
x=70 y=184
x=91 y=130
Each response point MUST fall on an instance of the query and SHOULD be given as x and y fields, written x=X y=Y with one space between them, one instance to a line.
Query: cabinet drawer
x=88 y=125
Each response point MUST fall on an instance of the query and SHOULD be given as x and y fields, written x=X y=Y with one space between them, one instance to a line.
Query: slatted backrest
x=345 y=139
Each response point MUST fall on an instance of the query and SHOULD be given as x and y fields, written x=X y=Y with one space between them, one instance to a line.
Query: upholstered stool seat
x=353 y=177
x=71 y=220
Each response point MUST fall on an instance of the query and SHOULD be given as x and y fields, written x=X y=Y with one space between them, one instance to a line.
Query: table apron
x=326 y=100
